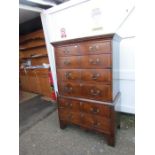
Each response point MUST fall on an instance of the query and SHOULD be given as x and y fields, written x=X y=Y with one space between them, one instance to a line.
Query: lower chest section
x=90 y=115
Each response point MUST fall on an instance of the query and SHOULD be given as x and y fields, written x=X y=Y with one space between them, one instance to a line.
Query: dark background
x=30 y=26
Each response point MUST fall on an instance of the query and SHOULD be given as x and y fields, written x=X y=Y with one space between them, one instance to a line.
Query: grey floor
x=46 y=138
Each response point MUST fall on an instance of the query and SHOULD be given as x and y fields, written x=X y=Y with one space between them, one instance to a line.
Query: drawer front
x=96 y=109
x=68 y=74
x=69 y=116
x=69 y=50
x=69 y=104
x=96 y=61
x=70 y=89
x=68 y=62
x=86 y=107
x=97 y=123
x=97 y=92
x=97 y=75
x=96 y=47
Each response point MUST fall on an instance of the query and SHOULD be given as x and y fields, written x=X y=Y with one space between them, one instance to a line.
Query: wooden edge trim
x=92 y=101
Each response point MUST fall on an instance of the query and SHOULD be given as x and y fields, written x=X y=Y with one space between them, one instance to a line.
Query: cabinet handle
x=66 y=51
x=67 y=62
x=93 y=48
x=68 y=89
x=94 y=62
x=68 y=75
x=95 y=124
x=95 y=76
x=95 y=110
x=95 y=92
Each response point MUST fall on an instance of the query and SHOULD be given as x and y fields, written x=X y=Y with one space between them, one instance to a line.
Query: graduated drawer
x=69 y=116
x=69 y=89
x=68 y=62
x=87 y=75
x=85 y=62
x=69 y=50
x=87 y=107
x=97 y=123
x=101 y=92
x=84 y=48
x=89 y=121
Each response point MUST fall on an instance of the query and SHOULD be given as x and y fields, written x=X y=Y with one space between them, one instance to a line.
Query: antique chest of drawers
x=88 y=83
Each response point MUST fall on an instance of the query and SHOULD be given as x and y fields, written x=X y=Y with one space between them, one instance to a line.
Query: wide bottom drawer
x=89 y=121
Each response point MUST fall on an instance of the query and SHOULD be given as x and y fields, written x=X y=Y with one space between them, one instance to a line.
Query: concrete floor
x=46 y=138
x=24 y=96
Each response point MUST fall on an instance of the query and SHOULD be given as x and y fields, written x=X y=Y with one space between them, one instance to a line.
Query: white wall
x=78 y=22
x=127 y=65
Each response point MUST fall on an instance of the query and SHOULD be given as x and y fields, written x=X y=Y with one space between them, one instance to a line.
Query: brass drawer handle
x=95 y=76
x=94 y=62
x=68 y=89
x=66 y=51
x=95 y=124
x=67 y=62
x=93 y=48
x=68 y=75
x=95 y=110
x=66 y=104
x=95 y=92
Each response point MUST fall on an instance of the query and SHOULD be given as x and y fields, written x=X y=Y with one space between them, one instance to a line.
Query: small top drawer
x=67 y=50
x=84 y=48
x=96 y=47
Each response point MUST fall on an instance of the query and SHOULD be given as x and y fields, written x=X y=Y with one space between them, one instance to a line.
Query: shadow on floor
x=32 y=111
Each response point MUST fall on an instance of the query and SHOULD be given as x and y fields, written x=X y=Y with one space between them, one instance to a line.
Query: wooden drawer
x=97 y=92
x=69 y=50
x=97 y=123
x=95 y=47
x=69 y=104
x=89 y=121
x=96 y=109
x=68 y=62
x=69 y=75
x=96 y=75
x=70 y=89
x=91 y=61
x=85 y=48
x=69 y=116
x=87 y=107
x=87 y=75
x=96 y=61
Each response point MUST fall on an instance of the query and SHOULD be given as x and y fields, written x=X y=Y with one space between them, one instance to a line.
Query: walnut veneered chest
x=88 y=82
